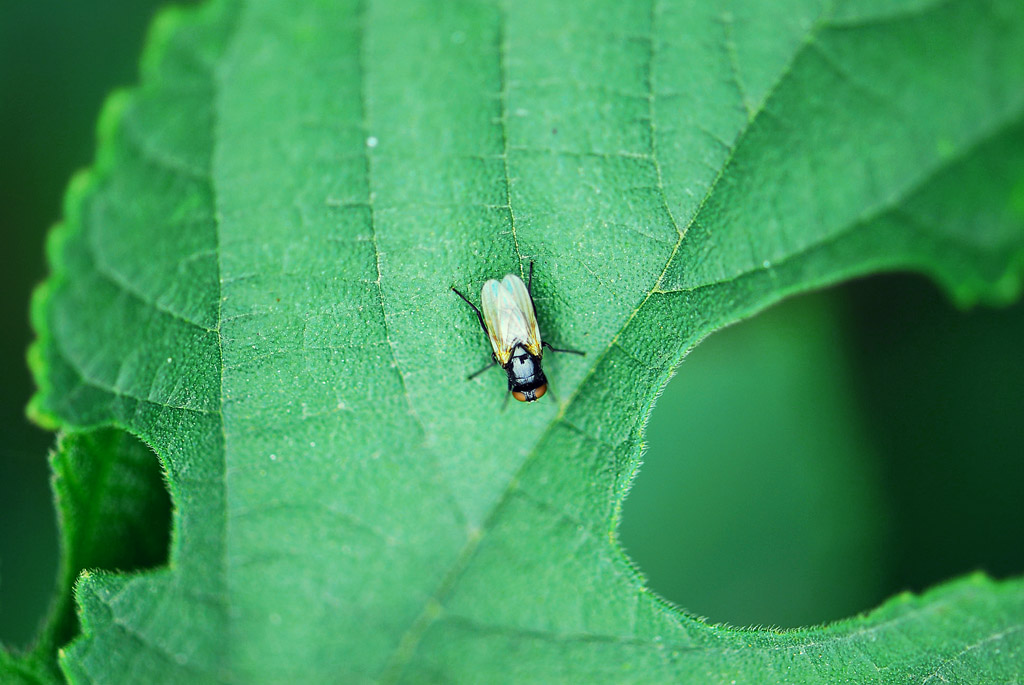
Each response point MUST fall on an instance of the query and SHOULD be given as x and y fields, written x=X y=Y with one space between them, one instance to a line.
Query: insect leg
x=477 y=373
x=558 y=349
x=478 y=314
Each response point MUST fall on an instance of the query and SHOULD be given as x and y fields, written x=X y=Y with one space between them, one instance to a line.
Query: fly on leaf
x=509 y=319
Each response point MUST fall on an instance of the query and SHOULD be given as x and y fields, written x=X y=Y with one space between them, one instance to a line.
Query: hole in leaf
x=114 y=508
x=839 y=448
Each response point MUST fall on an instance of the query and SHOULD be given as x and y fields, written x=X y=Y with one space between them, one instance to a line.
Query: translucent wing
x=509 y=317
x=522 y=298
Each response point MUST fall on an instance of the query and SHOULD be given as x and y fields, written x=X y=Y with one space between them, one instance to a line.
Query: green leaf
x=254 y=279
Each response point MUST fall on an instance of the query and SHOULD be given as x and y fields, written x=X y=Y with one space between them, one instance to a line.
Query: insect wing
x=504 y=319
x=524 y=302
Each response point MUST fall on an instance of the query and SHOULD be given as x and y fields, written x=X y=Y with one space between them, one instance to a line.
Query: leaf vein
x=891 y=205
x=980 y=644
x=371 y=214
x=127 y=287
x=503 y=93
x=92 y=382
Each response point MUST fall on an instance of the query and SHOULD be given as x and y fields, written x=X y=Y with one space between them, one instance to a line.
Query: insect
x=509 y=319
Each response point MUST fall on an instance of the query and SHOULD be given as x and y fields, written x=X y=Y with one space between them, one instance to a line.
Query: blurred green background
x=802 y=465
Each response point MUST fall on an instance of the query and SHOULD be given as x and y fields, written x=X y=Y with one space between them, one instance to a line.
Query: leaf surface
x=255 y=280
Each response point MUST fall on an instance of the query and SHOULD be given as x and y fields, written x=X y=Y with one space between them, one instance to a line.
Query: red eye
x=537 y=394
